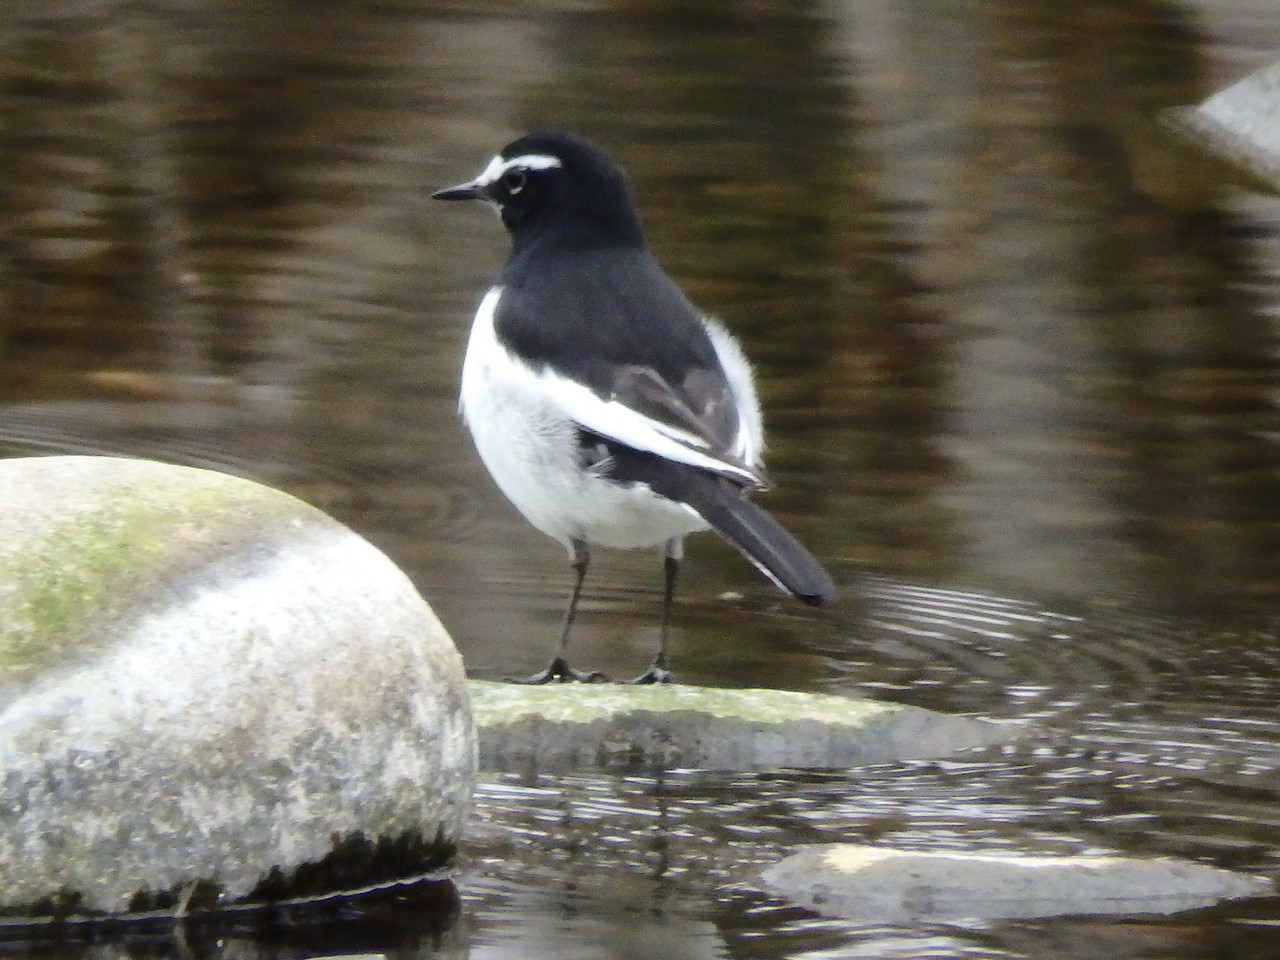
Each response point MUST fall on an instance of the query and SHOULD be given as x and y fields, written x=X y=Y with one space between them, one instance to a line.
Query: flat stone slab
x=884 y=885
x=211 y=691
x=560 y=727
x=1241 y=124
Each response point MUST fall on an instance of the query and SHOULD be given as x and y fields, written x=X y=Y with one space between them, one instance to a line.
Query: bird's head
x=555 y=182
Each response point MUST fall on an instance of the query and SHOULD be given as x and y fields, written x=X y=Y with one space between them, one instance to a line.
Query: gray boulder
x=211 y=691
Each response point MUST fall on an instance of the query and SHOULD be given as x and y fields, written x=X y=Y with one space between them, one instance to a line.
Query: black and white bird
x=606 y=406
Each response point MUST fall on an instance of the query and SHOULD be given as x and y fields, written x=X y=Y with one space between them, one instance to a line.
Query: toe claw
x=558 y=671
x=658 y=672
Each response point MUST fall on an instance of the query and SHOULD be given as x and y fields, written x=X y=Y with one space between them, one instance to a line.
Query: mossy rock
x=211 y=692
x=569 y=726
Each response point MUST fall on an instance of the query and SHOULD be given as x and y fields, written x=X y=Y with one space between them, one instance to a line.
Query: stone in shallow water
x=899 y=886
x=567 y=726
x=1241 y=124
x=210 y=686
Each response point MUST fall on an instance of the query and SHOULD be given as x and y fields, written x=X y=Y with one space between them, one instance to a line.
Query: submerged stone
x=567 y=726
x=898 y=886
x=211 y=691
x=1241 y=124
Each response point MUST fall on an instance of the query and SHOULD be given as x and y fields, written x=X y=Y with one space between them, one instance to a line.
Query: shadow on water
x=1017 y=349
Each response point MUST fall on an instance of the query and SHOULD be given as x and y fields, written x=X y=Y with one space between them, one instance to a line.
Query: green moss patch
x=83 y=539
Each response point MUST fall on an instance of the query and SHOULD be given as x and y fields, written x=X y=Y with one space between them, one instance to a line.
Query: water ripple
x=1155 y=738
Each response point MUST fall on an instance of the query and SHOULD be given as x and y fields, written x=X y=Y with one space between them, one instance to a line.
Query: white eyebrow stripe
x=528 y=161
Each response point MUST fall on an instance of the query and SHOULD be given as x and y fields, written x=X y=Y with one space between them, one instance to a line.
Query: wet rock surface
x=211 y=691
x=1241 y=124
x=899 y=886
x=570 y=726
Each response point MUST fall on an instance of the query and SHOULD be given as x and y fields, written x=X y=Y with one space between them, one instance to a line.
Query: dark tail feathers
x=759 y=538
x=756 y=535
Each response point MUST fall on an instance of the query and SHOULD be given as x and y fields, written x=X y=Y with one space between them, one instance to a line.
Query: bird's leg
x=559 y=671
x=658 y=671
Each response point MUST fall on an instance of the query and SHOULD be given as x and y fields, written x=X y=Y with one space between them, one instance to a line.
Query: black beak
x=470 y=190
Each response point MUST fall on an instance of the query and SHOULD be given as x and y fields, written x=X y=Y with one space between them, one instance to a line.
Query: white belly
x=530 y=447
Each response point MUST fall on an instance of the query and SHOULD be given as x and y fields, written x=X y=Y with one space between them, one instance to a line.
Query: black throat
x=575 y=231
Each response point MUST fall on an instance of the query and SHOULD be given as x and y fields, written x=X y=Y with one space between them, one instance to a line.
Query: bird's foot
x=558 y=671
x=658 y=672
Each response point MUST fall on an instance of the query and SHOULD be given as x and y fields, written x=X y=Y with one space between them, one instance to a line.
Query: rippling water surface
x=1016 y=343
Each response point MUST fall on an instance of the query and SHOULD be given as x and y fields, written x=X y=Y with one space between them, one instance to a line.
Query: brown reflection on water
x=1112 y=363
x=1009 y=331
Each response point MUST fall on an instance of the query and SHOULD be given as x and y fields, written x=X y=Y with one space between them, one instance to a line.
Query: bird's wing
x=666 y=396
x=643 y=412
x=611 y=388
x=703 y=405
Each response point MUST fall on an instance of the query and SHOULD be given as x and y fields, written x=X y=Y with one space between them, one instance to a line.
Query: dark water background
x=1017 y=346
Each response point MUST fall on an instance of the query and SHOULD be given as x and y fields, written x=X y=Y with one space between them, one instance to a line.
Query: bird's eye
x=514 y=181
